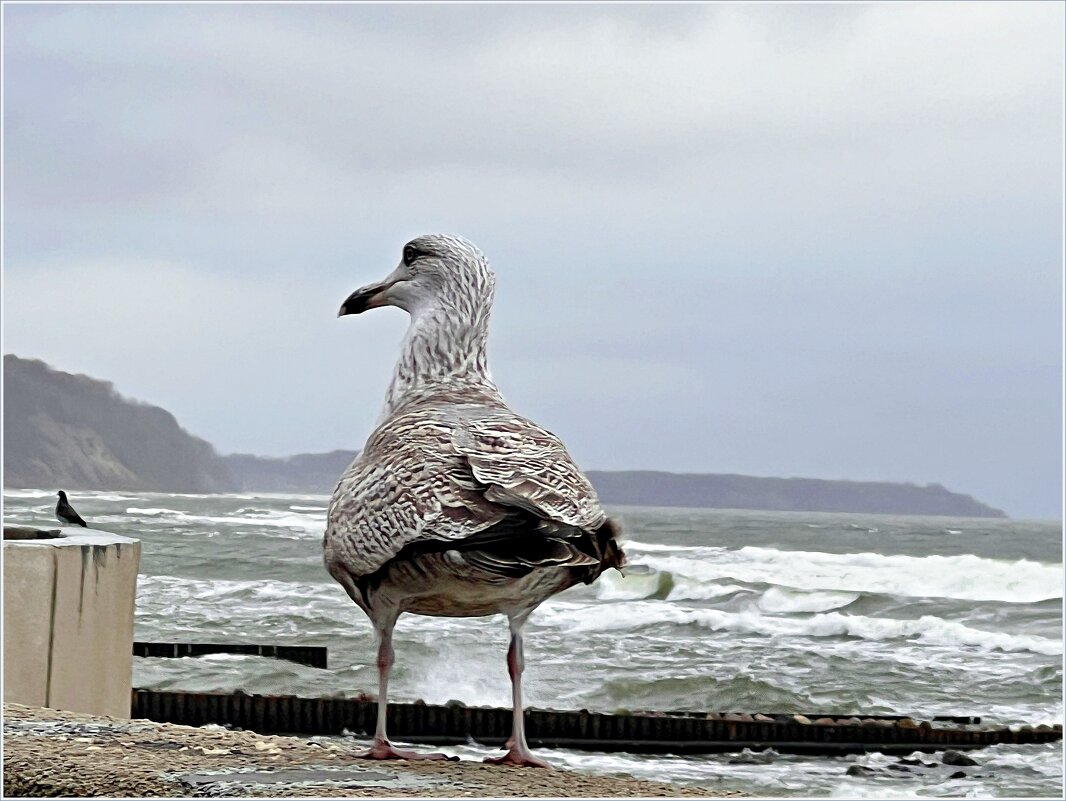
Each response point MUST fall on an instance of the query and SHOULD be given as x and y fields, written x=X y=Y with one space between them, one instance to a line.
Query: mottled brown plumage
x=457 y=506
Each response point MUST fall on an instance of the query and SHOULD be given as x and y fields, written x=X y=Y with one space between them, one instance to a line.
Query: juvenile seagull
x=457 y=506
x=65 y=513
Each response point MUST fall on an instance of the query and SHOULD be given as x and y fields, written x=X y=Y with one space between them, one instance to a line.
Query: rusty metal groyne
x=312 y=655
x=644 y=732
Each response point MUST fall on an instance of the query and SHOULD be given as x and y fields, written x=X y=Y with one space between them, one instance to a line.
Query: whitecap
x=658 y=547
x=927 y=629
x=305 y=524
x=28 y=493
x=780 y=599
x=964 y=576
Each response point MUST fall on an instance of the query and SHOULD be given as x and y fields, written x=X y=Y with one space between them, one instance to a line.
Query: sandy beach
x=53 y=753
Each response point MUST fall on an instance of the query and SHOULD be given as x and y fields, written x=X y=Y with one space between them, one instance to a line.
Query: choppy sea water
x=721 y=610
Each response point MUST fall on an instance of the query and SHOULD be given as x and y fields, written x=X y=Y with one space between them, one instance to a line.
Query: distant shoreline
x=75 y=432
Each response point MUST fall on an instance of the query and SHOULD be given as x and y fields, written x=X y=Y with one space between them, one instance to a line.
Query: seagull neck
x=441 y=347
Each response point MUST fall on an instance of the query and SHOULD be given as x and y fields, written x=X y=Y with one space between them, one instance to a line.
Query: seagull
x=65 y=513
x=457 y=506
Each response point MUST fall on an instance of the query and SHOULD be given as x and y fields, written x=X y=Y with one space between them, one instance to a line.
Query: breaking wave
x=927 y=629
x=696 y=574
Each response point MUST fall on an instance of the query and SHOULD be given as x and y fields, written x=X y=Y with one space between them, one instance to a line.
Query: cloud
x=781 y=239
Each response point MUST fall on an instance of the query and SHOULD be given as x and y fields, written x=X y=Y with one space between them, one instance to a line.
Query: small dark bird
x=65 y=512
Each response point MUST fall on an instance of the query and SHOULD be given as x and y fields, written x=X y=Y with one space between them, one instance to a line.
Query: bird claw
x=518 y=757
x=387 y=751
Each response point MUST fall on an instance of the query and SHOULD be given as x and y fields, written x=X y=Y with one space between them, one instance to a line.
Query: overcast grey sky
x=793 y=240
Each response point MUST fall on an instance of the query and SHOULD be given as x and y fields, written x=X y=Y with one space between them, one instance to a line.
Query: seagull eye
x=410 y=254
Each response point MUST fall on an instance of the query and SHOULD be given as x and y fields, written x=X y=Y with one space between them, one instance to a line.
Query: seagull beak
x=369 y=297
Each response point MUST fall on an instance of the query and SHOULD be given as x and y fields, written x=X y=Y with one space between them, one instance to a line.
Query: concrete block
x=68 y=620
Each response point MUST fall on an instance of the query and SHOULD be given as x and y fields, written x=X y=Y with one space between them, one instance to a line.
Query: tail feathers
x=609 y=553
x=516 y=558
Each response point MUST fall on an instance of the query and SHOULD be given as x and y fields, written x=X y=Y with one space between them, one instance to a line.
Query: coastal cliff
x=72 y=431
x=76 y=432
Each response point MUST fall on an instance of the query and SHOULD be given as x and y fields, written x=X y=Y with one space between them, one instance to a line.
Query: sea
x=719 y=610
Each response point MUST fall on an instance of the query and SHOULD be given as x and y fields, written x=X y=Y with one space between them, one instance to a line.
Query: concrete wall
x=68 y=619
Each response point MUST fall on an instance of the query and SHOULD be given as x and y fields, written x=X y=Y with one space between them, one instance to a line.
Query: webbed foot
x=383 y=749
x=518 y=757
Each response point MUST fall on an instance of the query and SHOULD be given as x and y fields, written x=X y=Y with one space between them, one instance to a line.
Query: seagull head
x=436 y=271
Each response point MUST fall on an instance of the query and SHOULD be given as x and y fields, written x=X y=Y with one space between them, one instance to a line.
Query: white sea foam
x=650 y=583
x=28 y=493
x=926 y=629
x=780 y=599
x=300 y=606
x=964 y=576
x=220 y=589
x=655 y=547
x=303 y=523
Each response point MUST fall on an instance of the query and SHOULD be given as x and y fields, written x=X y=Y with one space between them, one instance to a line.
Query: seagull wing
x=553 y=514
x=525 y=466
x=493 y=485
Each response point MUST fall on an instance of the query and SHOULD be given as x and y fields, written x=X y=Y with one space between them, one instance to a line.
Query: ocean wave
x=927 y=629
x=657 y=547
x=780 y=599
x=209 y=590
x=962 y=577
x=649 y=583
x=302 y=608
x=28 y=493
x=306 y=524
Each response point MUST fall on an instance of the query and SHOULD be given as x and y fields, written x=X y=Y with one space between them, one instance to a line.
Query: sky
x=802 y=240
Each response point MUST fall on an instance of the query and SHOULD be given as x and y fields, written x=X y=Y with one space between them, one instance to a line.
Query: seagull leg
x=382 y=748
x=518 y=752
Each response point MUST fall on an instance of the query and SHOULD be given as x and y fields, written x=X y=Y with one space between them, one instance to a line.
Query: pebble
x=917 y=762
x=958 y=759
x=802 y=720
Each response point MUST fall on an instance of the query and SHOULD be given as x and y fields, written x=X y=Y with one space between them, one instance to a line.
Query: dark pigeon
x=65 y=513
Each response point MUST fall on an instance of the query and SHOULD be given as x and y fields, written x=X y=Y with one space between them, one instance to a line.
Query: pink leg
x=518 y=752
x=382 y=748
